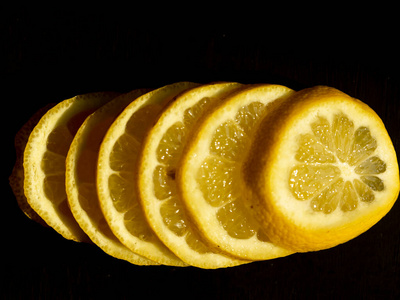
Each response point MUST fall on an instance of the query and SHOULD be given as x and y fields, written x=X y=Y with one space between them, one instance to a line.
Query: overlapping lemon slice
x=17 y=175
x=159 y=161
x=209 y=177
x=81 y=165
x=322 y=174
x=44 y=161
x=117 y=174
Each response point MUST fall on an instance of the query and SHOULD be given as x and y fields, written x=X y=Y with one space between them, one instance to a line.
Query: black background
x=50 y=54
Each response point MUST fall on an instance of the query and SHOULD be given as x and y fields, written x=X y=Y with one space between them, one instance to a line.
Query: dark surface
x=48 y=56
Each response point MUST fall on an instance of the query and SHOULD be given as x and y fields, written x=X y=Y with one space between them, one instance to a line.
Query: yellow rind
x=16 y=178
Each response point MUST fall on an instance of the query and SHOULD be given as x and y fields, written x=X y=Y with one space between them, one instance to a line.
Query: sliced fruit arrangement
x=213 y=175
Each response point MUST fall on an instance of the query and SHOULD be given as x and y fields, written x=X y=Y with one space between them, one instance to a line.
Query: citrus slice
x=209 y=176
x=80 y=179
x=159 y=160
x=17 y=175
x=117 y=172
x=44 y=161
x=322 y=174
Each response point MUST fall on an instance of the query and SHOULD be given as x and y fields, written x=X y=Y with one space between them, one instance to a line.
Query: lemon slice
x=209 y=176
x=157 y=186
x=322 y=174
x=117 y=172
x=44 y=161
x=16 y=178
x=80 y=179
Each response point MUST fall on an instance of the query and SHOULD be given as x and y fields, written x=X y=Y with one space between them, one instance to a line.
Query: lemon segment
x=44 y=161
x=159 y=161
x=117 y=173
x=330 y=174
x=210 y=175
x=81 y=165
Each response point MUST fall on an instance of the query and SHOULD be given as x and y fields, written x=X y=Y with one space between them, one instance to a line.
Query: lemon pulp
x=219 y=173
x=336 y=166
x=168 y=153
x=122 y=161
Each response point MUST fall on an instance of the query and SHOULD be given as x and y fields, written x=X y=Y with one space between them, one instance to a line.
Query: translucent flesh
x=236 y=221
x=173 y=216
x=168 y=153
x=53 y=163
x=136 y=223
x=123 y=161
x=336 y=166
x=218 y=174
x=217 y=177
